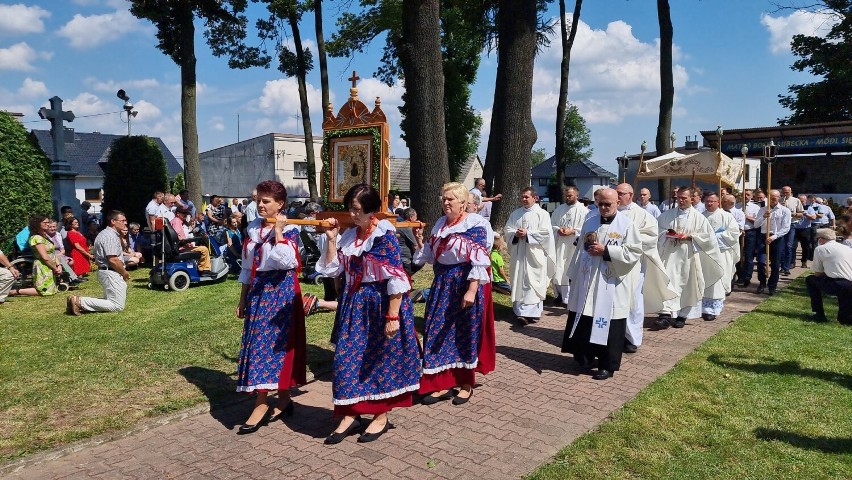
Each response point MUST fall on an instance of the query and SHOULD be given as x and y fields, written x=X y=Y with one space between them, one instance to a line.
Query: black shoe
x=246 y=428
x=785 y=272
x=602 y=375
x=337 y=437
x=557 y=302
x=433 y=399
x=663 y=322
x=287 y=412
x=745 y=283
x=819 y=318
x=708 y=317
x=630 y=348
x=771 y=292
x=761 y=288
x=679 y=322
x=522 y=321
x=370 y=437
x=531 y=319
x=804 y=264
x=205 y=272
x=457 y=400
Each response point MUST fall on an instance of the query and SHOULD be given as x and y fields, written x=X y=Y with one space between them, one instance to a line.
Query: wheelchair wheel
x=179 y=281
x=25 y=268
x=62 y=286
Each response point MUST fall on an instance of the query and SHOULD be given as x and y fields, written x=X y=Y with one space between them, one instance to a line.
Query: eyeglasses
x=621 y=194
x=604 y=204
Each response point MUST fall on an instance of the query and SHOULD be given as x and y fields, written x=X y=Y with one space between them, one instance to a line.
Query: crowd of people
x=609 y=264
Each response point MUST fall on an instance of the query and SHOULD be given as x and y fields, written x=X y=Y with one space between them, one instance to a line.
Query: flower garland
x=375 y=132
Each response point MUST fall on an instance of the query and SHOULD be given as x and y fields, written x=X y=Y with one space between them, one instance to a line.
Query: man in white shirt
x=797 y=211
x=754 y=200
x=777 y=218
x=645 y=202
x=697 y=196
x=484 y=200
x=152 y=210
x=832 y=275
x=251 y=208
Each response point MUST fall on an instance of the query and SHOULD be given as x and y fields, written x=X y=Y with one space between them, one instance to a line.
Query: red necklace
x=362 y=236
x=455 y=222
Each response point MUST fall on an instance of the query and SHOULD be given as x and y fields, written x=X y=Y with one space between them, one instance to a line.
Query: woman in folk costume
x=273 y=349
x=459 y=331
x=377 y=356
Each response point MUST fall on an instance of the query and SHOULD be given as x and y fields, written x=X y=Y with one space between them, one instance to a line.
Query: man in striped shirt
x=111 y=273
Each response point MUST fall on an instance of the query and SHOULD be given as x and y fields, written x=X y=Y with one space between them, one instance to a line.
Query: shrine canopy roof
x=814 y=138
x=705 y=165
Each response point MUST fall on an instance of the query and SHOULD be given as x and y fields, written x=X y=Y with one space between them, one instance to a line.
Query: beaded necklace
x=362 y=237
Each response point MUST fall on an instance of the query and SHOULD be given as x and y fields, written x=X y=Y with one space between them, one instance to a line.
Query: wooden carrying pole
x=769 y=210
x=326 y=224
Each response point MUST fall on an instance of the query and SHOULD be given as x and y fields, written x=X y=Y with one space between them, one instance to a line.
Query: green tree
x=175 y=23
x=576 y=142
x=562 y=106
x=178 y=183
x=139 y=158
x=292 y=62
x=830 y=98
x=664 y=125
x=538 y=156
x=25 y=174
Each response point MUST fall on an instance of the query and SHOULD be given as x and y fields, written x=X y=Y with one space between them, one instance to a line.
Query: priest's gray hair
x=826 y=234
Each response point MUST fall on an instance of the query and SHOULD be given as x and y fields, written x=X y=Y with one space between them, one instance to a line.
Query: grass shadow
x=788 y=367
x=823 y=444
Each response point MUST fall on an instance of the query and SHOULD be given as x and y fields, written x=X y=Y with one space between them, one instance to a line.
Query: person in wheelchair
x=181 y=222
x=234 y=252
x=45 y=264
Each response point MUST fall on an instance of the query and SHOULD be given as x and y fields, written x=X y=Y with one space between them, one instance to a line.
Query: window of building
x=93 y=194
x=300 y=169
x=747 y=173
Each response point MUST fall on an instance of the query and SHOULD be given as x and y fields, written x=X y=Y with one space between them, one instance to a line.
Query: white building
x=234 y=170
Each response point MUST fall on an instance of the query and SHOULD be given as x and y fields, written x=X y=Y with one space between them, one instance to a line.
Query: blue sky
x=732 y=60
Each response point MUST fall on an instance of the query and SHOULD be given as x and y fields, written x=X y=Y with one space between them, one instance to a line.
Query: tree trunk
x=664 y=126
x=323 y=60
x=303 y=100
x=189 y=128
x=422 y=65
x=562 y=107
x=512 y=132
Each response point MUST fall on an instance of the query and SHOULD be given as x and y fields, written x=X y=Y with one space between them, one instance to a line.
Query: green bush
x=178 y=184
x=25 y=179
x=134 y=171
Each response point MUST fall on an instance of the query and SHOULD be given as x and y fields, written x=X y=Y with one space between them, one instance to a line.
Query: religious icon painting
x=351 y=164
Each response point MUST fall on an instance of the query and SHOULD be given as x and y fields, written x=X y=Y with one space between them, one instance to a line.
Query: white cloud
x=112 y=86
x=216 y=123
x=92 y=31
x=782 y=29
x=116 y=4
x=20 y=19
x=32 y=89
x=21 y=56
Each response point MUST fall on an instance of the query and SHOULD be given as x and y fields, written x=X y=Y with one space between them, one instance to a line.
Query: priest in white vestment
x=650 y=281
x=690 y=253
x=728 y=238
x=602 y=293
x=531 y=247
x=567 y=220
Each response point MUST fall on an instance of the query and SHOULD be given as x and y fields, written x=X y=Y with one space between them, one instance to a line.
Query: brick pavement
x=535 y=402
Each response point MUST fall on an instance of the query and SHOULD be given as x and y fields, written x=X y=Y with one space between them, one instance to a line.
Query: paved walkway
x=536 y=402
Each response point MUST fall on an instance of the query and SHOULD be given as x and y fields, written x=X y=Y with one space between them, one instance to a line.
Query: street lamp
x=673 y=137
x=719 y=133
x=128 y=108
x=744 y=151
x=769 y=153
x=623 y=162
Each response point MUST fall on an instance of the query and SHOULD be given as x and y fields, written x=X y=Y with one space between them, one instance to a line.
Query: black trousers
x=747 y=262
x=805 y=238
x=775 y=249
x=839 y=287
x=585 y=352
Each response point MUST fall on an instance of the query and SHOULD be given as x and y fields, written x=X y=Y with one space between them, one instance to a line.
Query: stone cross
x=63 y=177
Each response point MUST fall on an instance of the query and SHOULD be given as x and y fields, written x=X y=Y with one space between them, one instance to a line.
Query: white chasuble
x=532 y=257
x=728 y=238
x=571 y=216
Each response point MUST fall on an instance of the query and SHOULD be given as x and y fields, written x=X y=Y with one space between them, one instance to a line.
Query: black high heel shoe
x=246 y=428
x=337 y=437
x=370 y=437
x=286 y=412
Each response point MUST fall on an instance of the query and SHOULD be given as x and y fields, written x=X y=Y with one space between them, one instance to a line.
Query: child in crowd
x=499 y=277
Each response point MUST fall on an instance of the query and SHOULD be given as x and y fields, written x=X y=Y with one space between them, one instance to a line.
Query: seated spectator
x=45 y=265
x=61 y=256
x=91 y=233
x=234 y=252
x=408 y=244
x=79 y=247
x=844 y=235
x=85 y=217
x=199 y=227
x=131 y=258
x=182 y=218
x=499 y=277
x=8 y=275
x=832 y=275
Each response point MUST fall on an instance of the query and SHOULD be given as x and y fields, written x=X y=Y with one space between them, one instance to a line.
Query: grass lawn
x=768 y=397
x=67 y=378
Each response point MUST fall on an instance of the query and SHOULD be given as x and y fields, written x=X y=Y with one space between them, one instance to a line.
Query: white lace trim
x=378 y=396
x=347 y=241
x=469 y=366
x=263 y=386
x=470 y=221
